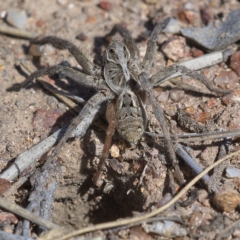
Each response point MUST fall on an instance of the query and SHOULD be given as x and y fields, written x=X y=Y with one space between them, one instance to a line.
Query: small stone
x=17 y=18
x=82 y=37
x=105 y=5
x=170 y=109
x=173 y=26
x=227 y=80
x=36 y=140
x=190 y=110
x=211 y=103
x=91 y=19
x=202 y=195
x=40 y=23
x=232 y=172
x=187 y=16
x=175 y=48
x=114 y=151
x=3 y=14
x=36 y=50
x=226 y=201
x=228 y=100
x=20 y=103
x=163 y=96
x=8 y=218
x=176 y=95
x=235 y=62
x=196 y=52
x=4 y=185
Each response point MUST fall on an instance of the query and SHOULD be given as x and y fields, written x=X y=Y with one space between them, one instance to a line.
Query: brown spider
x=125 y=83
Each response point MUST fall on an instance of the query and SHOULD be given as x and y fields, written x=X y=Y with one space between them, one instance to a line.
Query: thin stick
x=193 y=137
x=17 y=32
x=151 y=214
x=190 y=162
x=14 y=208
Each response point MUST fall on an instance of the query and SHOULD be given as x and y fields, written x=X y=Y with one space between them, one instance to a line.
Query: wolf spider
x=125 y=83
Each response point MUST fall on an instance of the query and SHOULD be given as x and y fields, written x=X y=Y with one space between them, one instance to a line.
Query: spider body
x=126 y=82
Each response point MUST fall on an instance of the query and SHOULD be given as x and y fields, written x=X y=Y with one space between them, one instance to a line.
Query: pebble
x=227 y=80
x=196 y=52
x=187 y=16
x=226 y=201
x=82 y=37
x=114 y=151
x=4 y=185
x=232 y=172
x=175 y=48
x=163 y=96
x=91 y=19
x=17 y=18
x=36 y=50
x=36 y=140
x=211 y=103
x=176 y=95
x=105 y=5
x=235 y=62
x=40 y=23
x=173 y=26
x=8 y=218
x=170 y=109
x=202 y=195
x=228 y=100
x=20 y=103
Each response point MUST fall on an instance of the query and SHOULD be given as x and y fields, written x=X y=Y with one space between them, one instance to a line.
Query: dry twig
x=11 y=207
x=20 y=33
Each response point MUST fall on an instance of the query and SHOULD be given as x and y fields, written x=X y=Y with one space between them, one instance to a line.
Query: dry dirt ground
x=30 y=115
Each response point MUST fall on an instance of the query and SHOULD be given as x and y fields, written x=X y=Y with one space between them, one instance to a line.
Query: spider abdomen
x=129 y=117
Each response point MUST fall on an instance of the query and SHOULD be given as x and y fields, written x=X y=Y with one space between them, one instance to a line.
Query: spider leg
x=160 y=76
x=151 y=46
x=75 y=75
x=59 y=43
x=111 y=118
x=160 y=117
x=81 y=123
x=127 y=40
